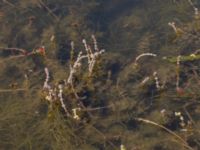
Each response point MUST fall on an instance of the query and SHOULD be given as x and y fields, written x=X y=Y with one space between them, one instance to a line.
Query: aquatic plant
x=74 y=95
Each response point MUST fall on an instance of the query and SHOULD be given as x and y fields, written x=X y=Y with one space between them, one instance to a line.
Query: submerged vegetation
x=59 y=88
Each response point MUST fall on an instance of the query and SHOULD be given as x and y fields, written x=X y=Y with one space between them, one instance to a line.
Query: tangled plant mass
x=61 y=92
x=56 y=93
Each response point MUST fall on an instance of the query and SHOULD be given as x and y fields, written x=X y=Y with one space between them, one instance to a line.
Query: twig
x=14 y=49
x=196 y=11
x=9 y=3
x=60 y=95
x=142 y=55
x=187 y=113
x=12 y=90
x=46 y=82
x=178 y=72
x=97 y=108
x=92 y=56
x=166 y=129
x=49 y=10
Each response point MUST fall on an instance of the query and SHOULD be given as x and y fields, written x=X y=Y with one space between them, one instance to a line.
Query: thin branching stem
x=166 y=129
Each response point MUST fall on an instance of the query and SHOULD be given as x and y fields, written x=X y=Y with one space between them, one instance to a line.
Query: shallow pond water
x=135 y=86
